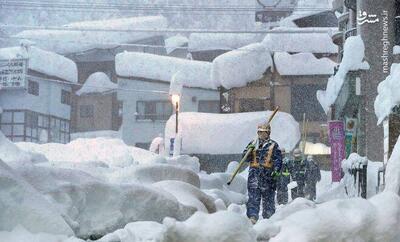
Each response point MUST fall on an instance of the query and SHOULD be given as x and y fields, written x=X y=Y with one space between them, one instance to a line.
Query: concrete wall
x=144 y=131
x=48 y=101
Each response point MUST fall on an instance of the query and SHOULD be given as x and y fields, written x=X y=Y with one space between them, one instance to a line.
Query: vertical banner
x=338 y=152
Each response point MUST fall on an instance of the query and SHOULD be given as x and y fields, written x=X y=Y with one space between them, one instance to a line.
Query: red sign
x=338 y=148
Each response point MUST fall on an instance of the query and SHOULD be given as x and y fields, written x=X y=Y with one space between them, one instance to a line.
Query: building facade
x=145 y=113
x=375 y=23
x=39 y=114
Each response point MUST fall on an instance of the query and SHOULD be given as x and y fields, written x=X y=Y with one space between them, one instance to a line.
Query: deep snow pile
x=299 y=42
x=175 y=42
x=238 y=67
x=221 y=41
x=221 y=226
x=352 y=60
x=347 y=187
x=11 y=153
x=43 y=61
x=162 y=68
x=388 y=94
x=96 y=194
x=113 y=152
x=302 y=64
x=72 y=41
x=22 y=205
x=230 y=132
x=97 y=134
x=97 y=82
x=94 y=207
x=20 y=234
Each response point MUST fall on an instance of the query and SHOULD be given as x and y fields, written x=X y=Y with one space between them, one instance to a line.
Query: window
x=86 y=111
x=153 y=110
x=33 y=88
x=304 y=100
x=25 y=125
x=209 y=106
x=65 y=97
x=251 y=105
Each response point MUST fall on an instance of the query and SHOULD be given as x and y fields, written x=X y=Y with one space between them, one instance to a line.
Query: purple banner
x=338 y=149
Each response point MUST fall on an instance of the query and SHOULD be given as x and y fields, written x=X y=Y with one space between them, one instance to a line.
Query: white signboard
x=13 y=73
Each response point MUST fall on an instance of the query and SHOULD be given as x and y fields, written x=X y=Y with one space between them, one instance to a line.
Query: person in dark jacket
x=283 y=180
x=265 y=163
x=298 y=170
x=313 y=175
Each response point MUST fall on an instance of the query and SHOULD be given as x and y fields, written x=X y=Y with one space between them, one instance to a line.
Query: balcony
x=352 y=4
x=350 y=32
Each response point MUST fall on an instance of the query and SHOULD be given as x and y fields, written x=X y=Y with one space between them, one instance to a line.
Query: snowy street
x=199 y=121
x=92 y=188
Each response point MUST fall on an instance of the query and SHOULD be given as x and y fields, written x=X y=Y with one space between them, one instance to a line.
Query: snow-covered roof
x=43 y=61
x=175 y=42
x=299 y=41
x=221 y=41
x=71 y=41
x=162 y=68
x=352 y=60
x=97 y=82
x=207 y=133
x=238 y=67
x=302 y=64
x=388 y=93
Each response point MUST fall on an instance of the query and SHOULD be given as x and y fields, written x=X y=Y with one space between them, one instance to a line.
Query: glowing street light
x=175 y=98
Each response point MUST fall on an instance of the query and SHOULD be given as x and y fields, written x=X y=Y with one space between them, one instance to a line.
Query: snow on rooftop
x=388 y=94
x=352 y=60
x=238 y=67
x=163 y=68
x=229 y=133
x=43 y=61
x=175 y=42
x=97 y=82
x=300 y=42
x=221 y=41
x=302 y=64
x=71 y=41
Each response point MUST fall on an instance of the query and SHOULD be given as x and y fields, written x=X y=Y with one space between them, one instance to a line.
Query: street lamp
x=175 y=91
x=175 y=98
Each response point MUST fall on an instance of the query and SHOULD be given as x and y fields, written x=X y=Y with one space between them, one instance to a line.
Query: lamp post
x=175 y=98
x=175 y=91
